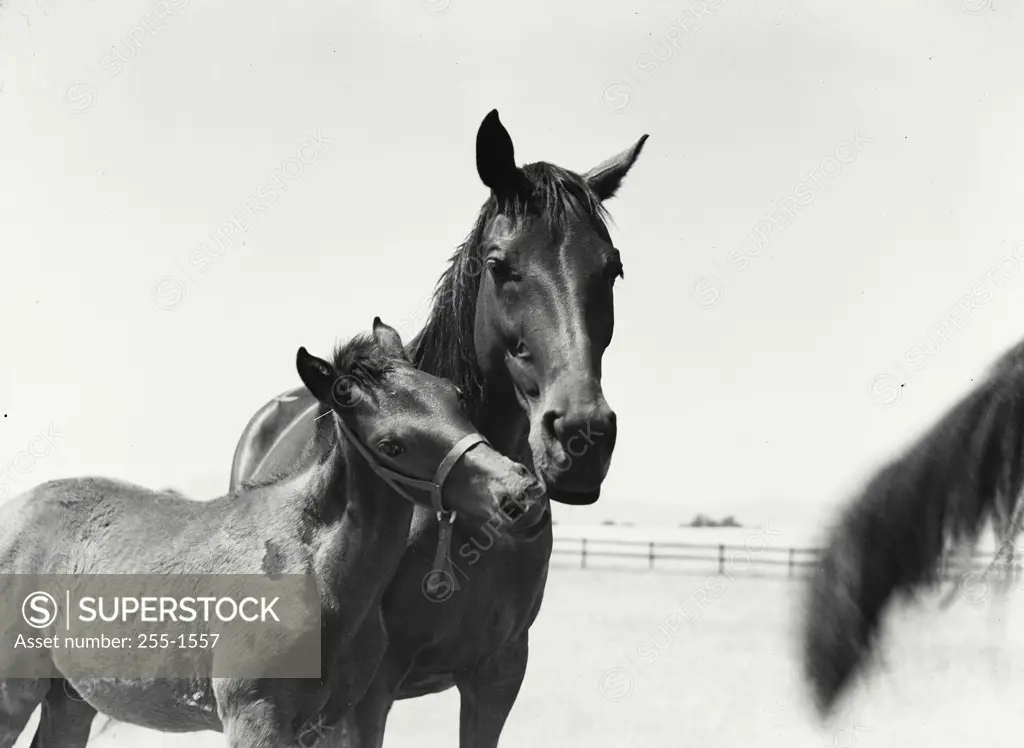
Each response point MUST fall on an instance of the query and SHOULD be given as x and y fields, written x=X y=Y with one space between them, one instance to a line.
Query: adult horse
x=965 y=472
x=341 y=521
x=520 y=320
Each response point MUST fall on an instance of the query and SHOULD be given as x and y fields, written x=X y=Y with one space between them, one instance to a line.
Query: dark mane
x=363 y=362
x=963 y=474
x=444 y=347
x=1009 y=361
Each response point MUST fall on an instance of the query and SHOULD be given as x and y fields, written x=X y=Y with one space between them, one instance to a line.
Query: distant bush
x=702 y=520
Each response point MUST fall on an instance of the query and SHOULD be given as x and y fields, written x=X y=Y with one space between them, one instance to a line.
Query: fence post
x=650 y=554
x=791 y=551
x=721 y=558
x=583 y=554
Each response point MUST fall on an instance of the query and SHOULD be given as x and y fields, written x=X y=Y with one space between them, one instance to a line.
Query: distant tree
x=608 y=523
x=702 y=520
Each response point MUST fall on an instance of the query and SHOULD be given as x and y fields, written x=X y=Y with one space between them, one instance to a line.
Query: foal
x=340 y=517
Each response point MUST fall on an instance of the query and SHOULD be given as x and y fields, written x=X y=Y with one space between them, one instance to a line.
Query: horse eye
x=521 y=351
x=391 y=449
x=501 y=270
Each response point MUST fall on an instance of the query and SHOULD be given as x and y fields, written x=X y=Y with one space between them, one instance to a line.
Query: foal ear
x=605 y=179
x=495 y=156
x=318 y=375
x=388 y=339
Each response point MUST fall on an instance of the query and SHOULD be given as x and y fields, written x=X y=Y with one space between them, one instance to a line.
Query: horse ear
x=388 y=339
x=318 y=375
x=496 y=156
x=605 y=179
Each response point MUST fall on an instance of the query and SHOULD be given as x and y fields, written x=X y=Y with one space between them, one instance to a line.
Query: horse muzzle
x=524 y=511
x=572 y=444
x=575 y=498
x=576 y=485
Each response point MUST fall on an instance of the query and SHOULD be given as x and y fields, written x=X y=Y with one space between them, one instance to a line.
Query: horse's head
x=413 y=430
x=544 y=305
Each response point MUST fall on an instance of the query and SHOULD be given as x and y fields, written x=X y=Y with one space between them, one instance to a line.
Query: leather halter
x=395 y=479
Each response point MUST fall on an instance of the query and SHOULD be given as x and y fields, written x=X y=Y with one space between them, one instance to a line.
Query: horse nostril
x=552 y=424
x=580 y=431
x=511 y=508
x=610 y=424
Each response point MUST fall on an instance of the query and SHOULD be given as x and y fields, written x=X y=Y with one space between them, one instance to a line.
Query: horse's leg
x=19 y=697
x=488 y=692
x=363 y=725
x=65 y=720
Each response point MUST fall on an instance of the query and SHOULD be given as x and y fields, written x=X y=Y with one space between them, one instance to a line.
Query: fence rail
x=732 y=558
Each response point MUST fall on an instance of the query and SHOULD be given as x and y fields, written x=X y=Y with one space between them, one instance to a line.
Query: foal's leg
x=257 y=725
x=250 y=716
x=19 y=697
x=366 y=699
x=65 y=719
x=488 y=692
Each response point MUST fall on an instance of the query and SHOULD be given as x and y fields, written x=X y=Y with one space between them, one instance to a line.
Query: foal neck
x=363 y=536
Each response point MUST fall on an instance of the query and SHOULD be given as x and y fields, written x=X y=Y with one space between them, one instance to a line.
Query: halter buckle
x=444 y=515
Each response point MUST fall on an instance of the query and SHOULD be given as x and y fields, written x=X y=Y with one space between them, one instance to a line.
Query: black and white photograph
x=474 y=373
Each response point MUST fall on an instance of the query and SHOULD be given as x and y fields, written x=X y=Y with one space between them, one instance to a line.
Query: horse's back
x=110 y=526
x=20 y=539
x=32 y=523
x=275 y=437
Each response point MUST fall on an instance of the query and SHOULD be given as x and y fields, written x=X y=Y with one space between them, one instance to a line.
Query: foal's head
x=409 y=422
x=544 y=266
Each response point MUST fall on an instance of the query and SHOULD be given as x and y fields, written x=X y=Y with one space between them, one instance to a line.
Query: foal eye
x=521 y=351
x=390 y=449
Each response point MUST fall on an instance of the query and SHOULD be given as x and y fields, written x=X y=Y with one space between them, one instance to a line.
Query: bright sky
x=885 y=136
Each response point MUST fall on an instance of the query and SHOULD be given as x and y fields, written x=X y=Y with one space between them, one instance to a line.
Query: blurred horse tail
x=965 y=473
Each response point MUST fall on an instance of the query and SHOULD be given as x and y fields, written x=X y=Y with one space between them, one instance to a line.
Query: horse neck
x=495 y=408
x=503 y=422
x=361 y=545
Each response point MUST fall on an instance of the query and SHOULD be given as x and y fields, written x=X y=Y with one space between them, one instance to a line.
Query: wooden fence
x=754 y=558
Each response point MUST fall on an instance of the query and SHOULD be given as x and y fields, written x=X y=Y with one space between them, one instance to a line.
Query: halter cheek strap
x=442 y=557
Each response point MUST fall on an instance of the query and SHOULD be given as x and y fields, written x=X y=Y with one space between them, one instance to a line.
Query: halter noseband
x=442 y=558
